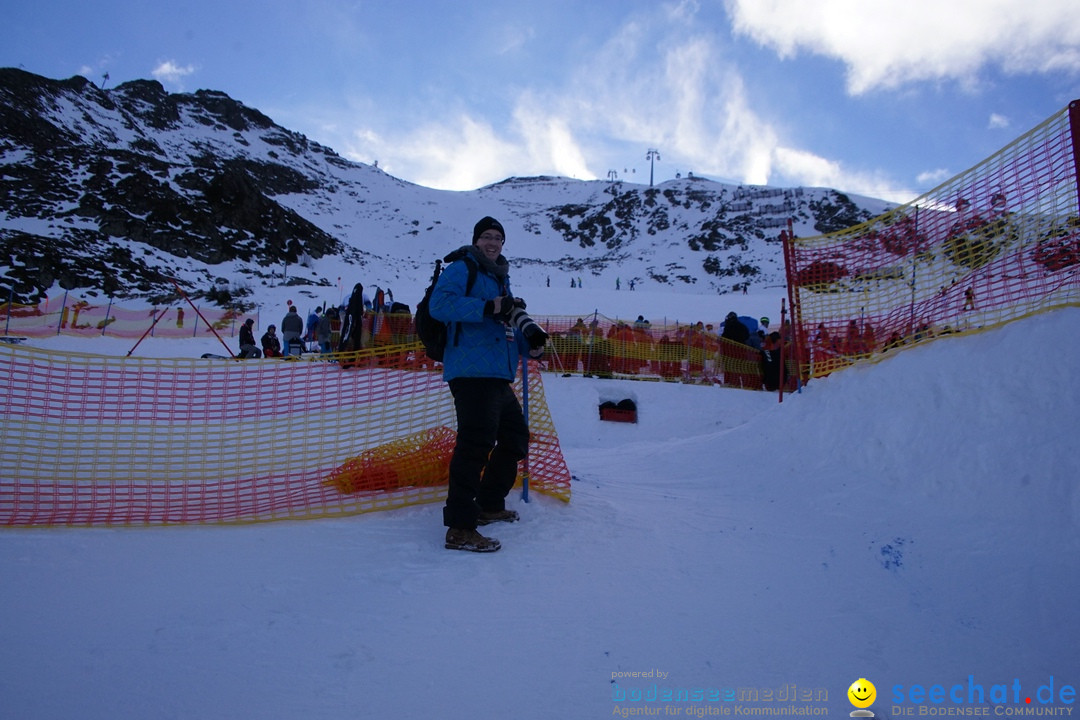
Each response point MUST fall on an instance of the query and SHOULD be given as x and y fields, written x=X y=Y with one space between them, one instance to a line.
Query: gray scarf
x=498 y=269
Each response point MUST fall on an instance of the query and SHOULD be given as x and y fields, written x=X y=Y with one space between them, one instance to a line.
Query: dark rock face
x=126 y=190
x=107 y=174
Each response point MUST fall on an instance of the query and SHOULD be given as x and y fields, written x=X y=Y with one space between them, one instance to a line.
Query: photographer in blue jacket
x=487 y=332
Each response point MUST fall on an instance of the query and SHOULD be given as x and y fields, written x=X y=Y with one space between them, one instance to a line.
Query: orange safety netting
x=615 y=348
x=92 y=317
x=994 y=244
x=95 y=440
x=592 y=344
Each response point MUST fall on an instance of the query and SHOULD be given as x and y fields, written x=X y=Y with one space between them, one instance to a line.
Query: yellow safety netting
x=591 y=344
x=993 y=244
x=91 y=440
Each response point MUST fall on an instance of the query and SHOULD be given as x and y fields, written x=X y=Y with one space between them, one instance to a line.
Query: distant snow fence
x=121 y=441
x=588 y=344
x=69 y=314
x=997 y=243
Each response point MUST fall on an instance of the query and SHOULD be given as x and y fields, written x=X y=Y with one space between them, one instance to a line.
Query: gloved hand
x=535 y=336
x=499 y=308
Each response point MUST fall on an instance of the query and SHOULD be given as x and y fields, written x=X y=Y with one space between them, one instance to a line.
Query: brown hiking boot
x=460 y=539
x=493 y=516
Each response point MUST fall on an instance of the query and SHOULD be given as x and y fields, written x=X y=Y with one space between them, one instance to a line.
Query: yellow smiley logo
x=862 y=693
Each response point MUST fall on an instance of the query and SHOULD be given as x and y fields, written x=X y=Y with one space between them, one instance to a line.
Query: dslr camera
x=517 y=318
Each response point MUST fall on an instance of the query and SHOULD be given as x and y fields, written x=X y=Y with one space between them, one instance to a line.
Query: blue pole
x=106 y=323
x=525 y=412
x=10 y=302
x=63 y=309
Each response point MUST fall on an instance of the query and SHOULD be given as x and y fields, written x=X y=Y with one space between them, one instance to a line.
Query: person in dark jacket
x=271 y=344
x=352 y=324
x=312 y=329
x=734 y=329
x=771 y=365
x=292 y=329
x=248 y=349
x=480 y=363
x=323 y=332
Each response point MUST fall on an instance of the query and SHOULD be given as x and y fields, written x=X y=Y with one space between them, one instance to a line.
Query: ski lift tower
x=651 y=156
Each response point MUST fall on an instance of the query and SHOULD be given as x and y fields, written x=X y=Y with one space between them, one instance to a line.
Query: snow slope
x=912 y=522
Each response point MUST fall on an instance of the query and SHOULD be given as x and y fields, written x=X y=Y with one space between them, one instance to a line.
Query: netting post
x=63 y=311
x=10 y=302
x=783 y=358
x=914 y=272
x=1074 y=129
x=199 y=313
x=107 y=311
x=525 y=412
x=592 y=343
x=157 y=316
x=798 y=335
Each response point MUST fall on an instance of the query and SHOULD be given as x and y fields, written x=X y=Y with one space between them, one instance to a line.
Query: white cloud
x=658 y=81
x=676 y=93
x=815 y=171
x=549 y=141
x=460 y=154
x=692 y=104
x=933 y=177
x=511 y=38
x=889 y=43
x=170 y=73
x=998 y=122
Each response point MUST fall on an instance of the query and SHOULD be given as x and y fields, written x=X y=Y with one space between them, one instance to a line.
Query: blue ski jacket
x=476 y=345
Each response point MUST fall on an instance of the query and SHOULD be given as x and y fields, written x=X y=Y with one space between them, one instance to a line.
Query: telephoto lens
x=519 y=319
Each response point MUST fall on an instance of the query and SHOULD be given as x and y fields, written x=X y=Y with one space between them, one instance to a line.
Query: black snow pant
x=491 y=438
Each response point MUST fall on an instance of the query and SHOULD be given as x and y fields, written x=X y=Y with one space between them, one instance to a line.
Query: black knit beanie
x=487 y=223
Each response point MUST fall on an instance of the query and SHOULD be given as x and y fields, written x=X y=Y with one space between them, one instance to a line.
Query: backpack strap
x=471 y=265
x=472 y=268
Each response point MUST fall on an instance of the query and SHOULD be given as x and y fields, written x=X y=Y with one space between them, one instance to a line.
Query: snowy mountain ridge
x=118 y=191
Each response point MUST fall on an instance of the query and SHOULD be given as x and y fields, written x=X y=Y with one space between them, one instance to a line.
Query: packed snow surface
x=912 y=522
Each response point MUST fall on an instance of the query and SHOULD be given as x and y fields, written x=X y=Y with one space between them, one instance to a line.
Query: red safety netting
x=92 y=440
x=593 y=344
x=994 y=244
x=71 y=315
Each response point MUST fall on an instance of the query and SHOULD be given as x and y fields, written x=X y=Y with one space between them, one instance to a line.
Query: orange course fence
x=94 y=440
x=592 y=344
x=641 y=350
x=992 y=245
x=90 y=317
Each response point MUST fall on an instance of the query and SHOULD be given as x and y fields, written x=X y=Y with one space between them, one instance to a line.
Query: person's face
x=490 y=243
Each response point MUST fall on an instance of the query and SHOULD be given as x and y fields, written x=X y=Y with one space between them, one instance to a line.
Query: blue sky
x=885 y=98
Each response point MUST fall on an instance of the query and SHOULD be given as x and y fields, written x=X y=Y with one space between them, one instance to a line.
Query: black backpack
x=432 y=332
